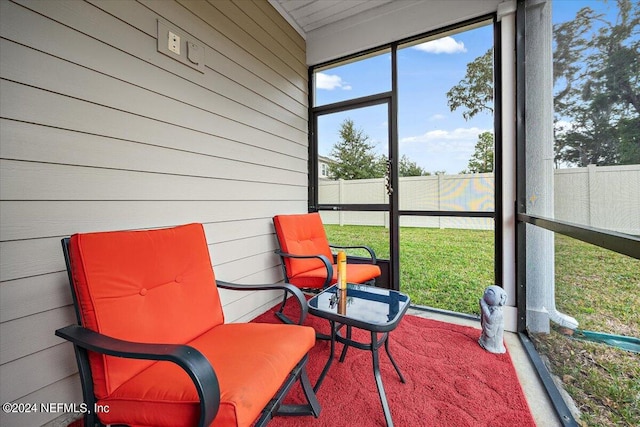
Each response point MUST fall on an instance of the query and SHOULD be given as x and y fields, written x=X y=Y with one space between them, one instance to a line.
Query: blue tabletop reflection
x=361 y=303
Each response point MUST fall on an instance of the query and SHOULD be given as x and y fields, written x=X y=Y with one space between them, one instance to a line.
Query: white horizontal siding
x=99 y=131
x=68 y=386
x=44 y=143
x=40 y=219
x=27 y=258
x=48 y=365
x=40 y=181
x=25 y=297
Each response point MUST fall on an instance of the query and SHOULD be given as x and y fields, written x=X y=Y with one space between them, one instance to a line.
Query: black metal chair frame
x=188 y=358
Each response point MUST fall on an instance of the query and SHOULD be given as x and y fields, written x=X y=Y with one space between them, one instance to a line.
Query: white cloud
x=457 y=140
x=442 y=150
x=437 y=117
x=443 y=45
x=330 y=82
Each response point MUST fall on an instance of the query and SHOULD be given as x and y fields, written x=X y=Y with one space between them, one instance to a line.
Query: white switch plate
x=180 y=46
x=174 y=43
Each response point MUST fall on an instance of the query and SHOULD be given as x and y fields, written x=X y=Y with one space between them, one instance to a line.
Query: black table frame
x=331 y=297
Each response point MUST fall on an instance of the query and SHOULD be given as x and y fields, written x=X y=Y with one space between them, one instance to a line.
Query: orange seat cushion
x=302 y=235
x=250 y=360
x=356 y=273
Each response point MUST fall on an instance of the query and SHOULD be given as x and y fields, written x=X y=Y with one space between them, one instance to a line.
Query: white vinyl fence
x=605 y=197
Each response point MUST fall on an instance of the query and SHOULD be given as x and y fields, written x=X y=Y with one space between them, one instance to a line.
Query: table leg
x=378 y=377
x=330 y=361
x=346 y=346
x=395 y=365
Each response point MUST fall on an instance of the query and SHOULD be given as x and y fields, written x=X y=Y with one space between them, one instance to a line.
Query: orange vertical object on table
x=342 y=301
x=342 y=270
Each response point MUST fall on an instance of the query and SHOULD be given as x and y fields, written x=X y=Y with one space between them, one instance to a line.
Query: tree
x=482 y=159
x=408 y=167
x=596 y=66
x=629 y=131
x=569 y=47
x=355 y=159
x=353 y=155
x=596 y=71
x=475 y=91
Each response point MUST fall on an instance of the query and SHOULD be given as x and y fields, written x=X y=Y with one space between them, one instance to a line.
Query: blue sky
x=429 y=133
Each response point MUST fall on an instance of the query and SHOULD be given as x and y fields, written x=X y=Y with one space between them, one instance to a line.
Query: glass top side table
x=376 y=310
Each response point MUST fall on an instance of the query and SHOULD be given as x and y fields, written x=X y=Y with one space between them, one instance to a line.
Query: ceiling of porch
x=336 y=28
x=310 y=15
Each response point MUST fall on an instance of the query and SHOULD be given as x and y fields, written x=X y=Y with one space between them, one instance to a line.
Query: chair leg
x=307 y=388
x=275 y=407
x=90 y=420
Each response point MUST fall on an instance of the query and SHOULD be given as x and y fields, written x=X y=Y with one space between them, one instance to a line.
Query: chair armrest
x=327 y=264
x=372 y=254
x=188 y=358
x=287 y=287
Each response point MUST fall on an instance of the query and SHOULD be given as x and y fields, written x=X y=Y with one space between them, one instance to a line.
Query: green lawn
x=601 y=289
x=449 y=269
x=442 y=268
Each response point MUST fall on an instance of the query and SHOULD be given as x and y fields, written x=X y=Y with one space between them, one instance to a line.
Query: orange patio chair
x=307 y=259
x=152 y=345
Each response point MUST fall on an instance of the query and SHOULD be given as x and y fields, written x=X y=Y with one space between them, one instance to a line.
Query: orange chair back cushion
x=154 y=286
x=302 y=235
